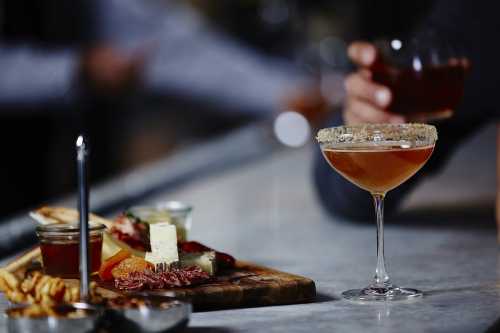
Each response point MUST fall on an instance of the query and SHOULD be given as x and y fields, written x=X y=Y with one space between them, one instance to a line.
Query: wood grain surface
x=247 y=285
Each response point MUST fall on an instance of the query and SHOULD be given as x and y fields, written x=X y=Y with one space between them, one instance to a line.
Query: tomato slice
x=108 y=265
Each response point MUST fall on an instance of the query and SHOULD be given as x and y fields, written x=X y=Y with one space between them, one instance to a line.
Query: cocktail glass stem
x=381 y=278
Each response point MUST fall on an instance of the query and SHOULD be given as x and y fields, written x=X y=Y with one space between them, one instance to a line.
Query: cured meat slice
x=176 y=277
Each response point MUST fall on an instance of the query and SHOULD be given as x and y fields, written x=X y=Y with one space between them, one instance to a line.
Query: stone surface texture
x=444 y=243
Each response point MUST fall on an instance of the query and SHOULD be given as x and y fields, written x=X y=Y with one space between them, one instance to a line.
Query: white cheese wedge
x=163 y=238
x=205 y=260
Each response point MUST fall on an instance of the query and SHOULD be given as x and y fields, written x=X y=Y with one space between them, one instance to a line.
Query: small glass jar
x=180 y=215
x=174 y=212
x=59 y=244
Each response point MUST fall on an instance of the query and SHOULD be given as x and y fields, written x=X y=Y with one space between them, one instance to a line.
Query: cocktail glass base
x=391 y=293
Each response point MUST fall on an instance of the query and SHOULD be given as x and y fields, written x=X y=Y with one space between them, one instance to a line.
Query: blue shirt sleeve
x=189 y=58
x=33 y=76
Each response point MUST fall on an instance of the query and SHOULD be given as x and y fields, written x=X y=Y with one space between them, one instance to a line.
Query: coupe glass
x=378 y=158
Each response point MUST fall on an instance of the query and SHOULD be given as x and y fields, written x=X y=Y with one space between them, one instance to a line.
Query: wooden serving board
x=246 y=285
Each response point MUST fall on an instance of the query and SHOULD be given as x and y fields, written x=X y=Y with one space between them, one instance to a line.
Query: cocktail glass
x=378 y=158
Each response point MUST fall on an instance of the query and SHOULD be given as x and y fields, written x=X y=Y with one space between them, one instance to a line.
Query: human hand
x=366 y=100
x=309 y=102
x=108 y=71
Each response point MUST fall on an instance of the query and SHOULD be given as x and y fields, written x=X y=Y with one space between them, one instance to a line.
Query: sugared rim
x=420 y=134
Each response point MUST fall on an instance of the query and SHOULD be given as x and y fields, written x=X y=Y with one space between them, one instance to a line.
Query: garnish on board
x=132 y=226
x=133 y=273
x=112 y=244
x=125 y=263
x=105 y=272
x=131 y=230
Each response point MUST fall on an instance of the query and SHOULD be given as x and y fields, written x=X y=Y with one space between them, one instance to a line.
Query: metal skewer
x=83 y=209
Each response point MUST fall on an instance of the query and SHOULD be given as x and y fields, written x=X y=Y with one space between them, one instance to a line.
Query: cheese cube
x=163 y=238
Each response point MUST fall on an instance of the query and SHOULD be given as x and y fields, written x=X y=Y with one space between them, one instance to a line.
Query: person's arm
x=188 y=58
x=366 y=102
x=33 y=76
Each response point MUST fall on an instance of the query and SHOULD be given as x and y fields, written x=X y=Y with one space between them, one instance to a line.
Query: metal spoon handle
x=83 y=208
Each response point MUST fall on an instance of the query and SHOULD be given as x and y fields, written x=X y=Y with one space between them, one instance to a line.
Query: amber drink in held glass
x=378 y=158
x=426 y=75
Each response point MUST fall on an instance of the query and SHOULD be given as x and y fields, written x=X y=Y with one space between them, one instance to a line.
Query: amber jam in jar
x=59 y=244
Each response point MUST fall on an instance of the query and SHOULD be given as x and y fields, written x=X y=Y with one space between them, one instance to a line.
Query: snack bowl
x=146 y=313
x=63 y=318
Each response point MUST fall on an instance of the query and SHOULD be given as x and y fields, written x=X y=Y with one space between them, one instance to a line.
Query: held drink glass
x=378 y=158
x=426 y=75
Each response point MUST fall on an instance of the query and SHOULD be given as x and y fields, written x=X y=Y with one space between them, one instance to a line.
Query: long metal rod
x=192 y=164
x=83 y=208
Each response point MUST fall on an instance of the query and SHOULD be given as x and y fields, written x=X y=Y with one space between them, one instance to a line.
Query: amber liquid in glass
x=378 y=169
x=432 y=90
x=62 y=258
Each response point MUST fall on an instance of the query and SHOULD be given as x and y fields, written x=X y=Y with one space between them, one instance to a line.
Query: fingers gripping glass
x=378 y=158
x=426 y=75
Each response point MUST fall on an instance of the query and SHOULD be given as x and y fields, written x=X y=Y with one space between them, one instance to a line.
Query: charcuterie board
x=246 y=285
x=242 y=284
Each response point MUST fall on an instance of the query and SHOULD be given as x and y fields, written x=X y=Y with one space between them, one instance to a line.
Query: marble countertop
x=265 y=211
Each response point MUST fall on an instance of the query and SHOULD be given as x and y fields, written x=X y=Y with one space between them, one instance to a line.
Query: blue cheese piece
x=163 y=238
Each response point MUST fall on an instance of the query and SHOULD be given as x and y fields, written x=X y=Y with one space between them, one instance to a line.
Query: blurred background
x=144 y=79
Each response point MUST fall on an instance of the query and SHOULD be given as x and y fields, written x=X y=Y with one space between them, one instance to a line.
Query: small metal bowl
x=159 y=314
x=24 y=324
